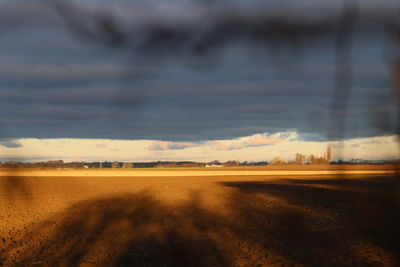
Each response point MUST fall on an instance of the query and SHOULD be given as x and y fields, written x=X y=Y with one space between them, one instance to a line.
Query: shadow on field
x=128 y=230
x=14 y=187
x=311 y=222
x=357 y=220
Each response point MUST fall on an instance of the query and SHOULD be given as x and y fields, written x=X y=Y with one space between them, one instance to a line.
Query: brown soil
x=253 y=168
x=200 y=221
x=231 y=171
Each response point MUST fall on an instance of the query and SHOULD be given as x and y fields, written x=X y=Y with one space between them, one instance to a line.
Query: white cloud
x=10 y=144
x=165 y=145
x=245 y=142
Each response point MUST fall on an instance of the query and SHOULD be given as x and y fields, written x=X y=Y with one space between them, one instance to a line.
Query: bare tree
x=300 y=159
x=115 y=164
x=328 y=154
x=127 y=165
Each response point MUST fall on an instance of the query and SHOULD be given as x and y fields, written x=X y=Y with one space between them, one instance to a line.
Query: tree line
x=303 y=159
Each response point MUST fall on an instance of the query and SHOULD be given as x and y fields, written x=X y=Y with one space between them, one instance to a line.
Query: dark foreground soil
x=200 y=221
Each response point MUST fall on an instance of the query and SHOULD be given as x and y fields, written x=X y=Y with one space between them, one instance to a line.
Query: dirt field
x=291 y=170
x=229 y=220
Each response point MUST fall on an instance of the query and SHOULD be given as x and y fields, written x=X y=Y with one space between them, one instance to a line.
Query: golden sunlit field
x=199 y=218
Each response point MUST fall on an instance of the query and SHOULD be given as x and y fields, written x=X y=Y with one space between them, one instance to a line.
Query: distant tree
x=300 y=159
x=328 y=154
x=317 y=160
x=127 y=165
x=312 y=159
x=277 y=161
x=115 y=164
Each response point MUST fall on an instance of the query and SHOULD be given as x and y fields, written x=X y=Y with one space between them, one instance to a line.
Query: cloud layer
x=244 y=142
x=54 y=84
x=165 y=145
x=221 y=145
x=256 y=147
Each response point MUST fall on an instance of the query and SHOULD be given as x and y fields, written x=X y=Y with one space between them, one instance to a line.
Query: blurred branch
x=202 y=37
x=343 y=71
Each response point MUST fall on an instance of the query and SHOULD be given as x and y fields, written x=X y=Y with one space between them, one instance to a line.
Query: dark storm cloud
x=150 y=86
x=59 y=73
x=10 y=144
x=18 y=15
x=175 y=110
x=164 y=145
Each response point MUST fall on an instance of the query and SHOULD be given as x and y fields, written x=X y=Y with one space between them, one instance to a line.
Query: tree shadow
x=283 y=222
x=13 y=187
x=331 y=221
x=128 y=230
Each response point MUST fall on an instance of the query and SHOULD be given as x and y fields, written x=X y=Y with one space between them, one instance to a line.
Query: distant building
x=213 y=166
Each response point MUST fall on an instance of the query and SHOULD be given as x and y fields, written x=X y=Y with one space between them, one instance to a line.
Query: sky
x=257 y=147
x=100 y=79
